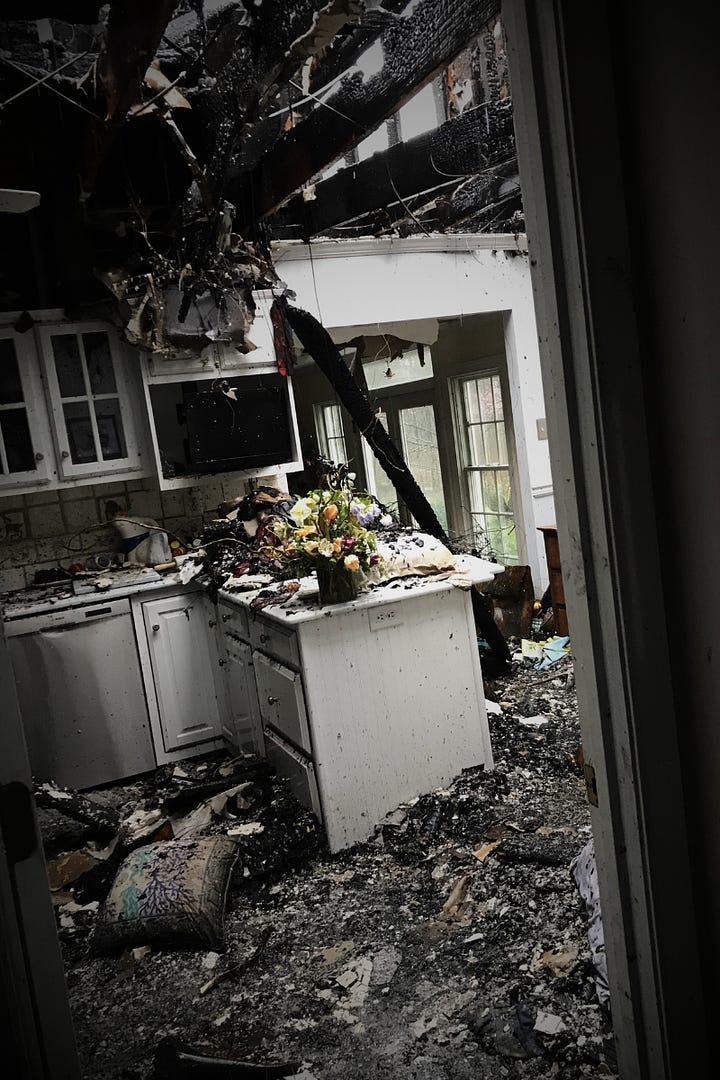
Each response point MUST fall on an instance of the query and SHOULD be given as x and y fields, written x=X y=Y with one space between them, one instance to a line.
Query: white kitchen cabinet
x=183 y=684
x=89 y=396
x=241 y=727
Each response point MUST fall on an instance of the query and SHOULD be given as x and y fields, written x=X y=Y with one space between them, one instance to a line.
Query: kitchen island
x=367 y=704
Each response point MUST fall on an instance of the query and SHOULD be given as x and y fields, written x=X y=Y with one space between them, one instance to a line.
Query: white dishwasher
x=81 y=694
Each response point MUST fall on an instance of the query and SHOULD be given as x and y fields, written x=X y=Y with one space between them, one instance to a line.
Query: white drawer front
x=275 y=640
x=281 y=701
x=299 y=772
x=233 y=618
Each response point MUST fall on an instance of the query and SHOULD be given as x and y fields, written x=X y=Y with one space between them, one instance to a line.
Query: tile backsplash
x=68 y=525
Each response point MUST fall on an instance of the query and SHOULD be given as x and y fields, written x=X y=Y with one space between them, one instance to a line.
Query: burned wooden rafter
x=435 y=32
x=457 y=149
x=343 y=52
x=319 y=345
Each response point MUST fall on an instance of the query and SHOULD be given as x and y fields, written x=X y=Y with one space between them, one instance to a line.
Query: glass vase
x=336 y=584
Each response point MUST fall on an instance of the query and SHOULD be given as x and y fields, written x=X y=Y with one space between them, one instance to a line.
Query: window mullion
x=3 y=455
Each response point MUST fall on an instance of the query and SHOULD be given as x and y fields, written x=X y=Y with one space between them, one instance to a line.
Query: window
x=485 y=464
x=330 y=433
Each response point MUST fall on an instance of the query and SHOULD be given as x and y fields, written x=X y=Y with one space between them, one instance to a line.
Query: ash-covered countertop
x=114 y=584
x=304 y=605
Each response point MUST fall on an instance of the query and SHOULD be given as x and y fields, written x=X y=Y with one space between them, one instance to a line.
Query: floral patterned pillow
x=171 y=893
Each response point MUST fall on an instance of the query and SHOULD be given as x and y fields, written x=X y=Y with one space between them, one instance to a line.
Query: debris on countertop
x=407 y=957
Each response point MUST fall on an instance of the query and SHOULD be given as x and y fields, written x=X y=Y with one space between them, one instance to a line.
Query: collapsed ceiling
x=171 y=142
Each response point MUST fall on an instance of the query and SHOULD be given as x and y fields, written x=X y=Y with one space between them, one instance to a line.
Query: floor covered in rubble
x=451 y=945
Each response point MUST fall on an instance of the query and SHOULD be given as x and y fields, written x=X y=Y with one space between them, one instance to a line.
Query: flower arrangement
x=330 y=534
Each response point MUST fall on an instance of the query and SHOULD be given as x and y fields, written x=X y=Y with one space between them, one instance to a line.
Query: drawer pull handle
x=273 y=700
x=222 y=662
x=211 y=623
x=264 y=638
x=98 y=611
x=155 y=628
x=226 y=618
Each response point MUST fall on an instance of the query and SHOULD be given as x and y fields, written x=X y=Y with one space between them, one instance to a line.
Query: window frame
x=321 y=435
x=455 y=384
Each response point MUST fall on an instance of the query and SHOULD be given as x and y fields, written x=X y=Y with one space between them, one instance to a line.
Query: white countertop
x=304 y=605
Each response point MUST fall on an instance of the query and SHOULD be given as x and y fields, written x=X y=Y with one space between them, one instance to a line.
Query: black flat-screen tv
x=244 y=429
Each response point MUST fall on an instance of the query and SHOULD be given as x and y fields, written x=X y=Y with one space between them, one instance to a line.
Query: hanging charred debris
x=172 y=142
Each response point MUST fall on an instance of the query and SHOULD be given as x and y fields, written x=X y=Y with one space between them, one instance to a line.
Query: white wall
x=365 y=282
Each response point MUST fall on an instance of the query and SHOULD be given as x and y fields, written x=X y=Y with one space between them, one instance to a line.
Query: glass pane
x=502 y=444
x=472 y=405
x=497 y=397
x=336 y=451
x=476 y=445
x=99 y=363
x=378 y=483
x=10 y=386
x=382 y=373
x=18 y=444
x=485 y=394
x=80 y=433
x=490 y=492
x=509 y=541
x=110 y=429
x=492 y=455
x=68 y=365
x=504 y=494
x=419 y=443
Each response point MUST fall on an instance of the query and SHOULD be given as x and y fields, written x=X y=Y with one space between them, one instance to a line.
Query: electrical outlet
x=380 y=618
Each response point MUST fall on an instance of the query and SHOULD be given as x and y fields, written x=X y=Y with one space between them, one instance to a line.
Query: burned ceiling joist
x=445 y=157
x=428 y=40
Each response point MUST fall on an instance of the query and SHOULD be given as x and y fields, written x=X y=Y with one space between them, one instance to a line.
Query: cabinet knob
x=156 y=627
x=211 y=623
x=264 y=638
x=226 y=618
x=222 y=662
x=39 y=457
x=273 y=700
x=65 y=454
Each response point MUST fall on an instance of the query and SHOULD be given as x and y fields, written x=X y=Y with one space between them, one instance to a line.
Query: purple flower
x=364 y=516
x=374 y=560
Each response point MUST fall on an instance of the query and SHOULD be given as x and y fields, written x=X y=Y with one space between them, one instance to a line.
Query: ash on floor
x=452 y=945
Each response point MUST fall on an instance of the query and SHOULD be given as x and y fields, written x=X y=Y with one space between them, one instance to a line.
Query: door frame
x=568 y=141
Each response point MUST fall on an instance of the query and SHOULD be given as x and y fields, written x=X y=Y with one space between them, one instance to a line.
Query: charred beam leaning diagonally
x=318 y=343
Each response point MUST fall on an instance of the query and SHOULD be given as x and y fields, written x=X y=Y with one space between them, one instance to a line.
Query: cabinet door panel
x=281 y=701
x=90 y=400
x=183 y=655
x=242 y=726
x=25 y=442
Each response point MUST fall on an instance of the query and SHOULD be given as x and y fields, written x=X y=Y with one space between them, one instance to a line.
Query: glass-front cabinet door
x=25 y=448
x=89 y=400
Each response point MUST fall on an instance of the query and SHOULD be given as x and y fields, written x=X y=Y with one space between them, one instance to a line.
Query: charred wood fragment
x=457 y=149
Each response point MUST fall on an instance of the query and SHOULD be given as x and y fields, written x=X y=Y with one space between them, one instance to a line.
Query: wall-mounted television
x=249 y=426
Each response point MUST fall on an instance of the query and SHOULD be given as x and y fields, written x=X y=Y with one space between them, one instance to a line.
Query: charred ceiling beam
x=435 y=32
x=456 y=150
x=343 y=52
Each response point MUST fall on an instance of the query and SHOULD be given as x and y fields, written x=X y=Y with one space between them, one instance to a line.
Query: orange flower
x=330 y=512
x=352 y=562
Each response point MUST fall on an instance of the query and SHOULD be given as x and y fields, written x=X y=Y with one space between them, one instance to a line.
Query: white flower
x=301 y=511
x=386 y=520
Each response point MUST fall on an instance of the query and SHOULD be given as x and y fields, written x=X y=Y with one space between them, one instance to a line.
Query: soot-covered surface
x=452 y=945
